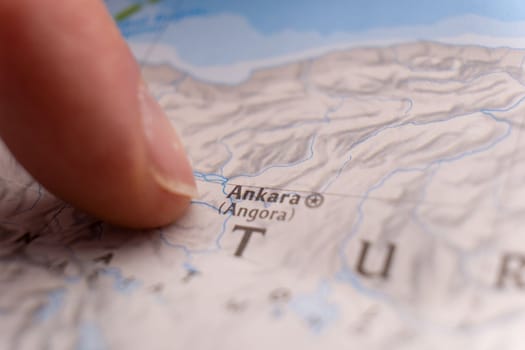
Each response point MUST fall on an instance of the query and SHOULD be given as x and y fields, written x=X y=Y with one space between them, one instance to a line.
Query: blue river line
x=346 y=274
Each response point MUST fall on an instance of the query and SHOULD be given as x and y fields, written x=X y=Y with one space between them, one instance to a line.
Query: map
x=361 y=171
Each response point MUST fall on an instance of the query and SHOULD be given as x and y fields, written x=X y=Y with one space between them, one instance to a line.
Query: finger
x=76 y=114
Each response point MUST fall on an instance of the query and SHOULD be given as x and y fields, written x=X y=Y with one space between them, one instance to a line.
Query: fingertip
x=81 y=121
x=167 y=209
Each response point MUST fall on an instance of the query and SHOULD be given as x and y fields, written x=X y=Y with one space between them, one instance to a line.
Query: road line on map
x=335 y=194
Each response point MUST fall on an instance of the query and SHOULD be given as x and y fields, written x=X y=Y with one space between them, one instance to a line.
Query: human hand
x=75 y=113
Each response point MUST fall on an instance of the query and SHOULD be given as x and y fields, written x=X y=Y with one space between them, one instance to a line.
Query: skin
x=75 y=113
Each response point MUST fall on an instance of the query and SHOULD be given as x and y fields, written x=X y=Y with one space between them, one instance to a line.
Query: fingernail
x=169 y=163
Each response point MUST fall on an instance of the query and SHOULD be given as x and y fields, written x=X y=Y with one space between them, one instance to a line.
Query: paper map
x=361 y=171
